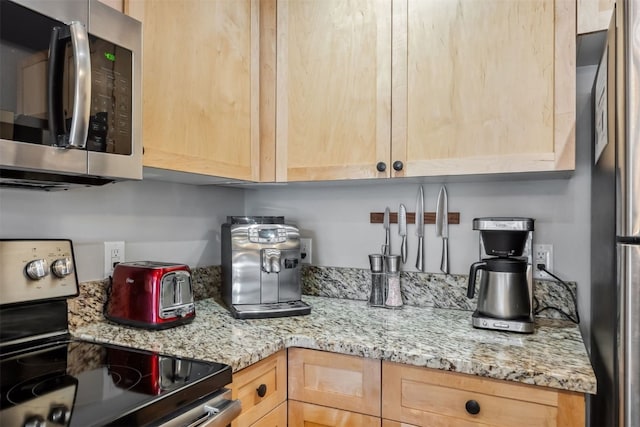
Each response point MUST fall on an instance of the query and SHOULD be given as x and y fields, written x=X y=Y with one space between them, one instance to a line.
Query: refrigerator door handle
x=629 y=337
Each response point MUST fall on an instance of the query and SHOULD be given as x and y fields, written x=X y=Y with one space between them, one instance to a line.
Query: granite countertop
x=553 y=356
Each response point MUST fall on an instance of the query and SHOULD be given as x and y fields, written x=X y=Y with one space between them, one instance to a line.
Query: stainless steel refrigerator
x=615 y=225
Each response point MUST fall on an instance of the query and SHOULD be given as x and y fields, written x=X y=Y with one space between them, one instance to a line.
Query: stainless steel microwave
x=70 y=94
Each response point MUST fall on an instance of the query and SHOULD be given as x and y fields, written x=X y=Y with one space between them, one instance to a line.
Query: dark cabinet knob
x=472 y=407
x=262 y=390
x=397 y=166
x=381 y=166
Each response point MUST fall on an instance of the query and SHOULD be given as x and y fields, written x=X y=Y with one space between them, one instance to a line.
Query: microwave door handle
x=59 y=37
x=82 y=86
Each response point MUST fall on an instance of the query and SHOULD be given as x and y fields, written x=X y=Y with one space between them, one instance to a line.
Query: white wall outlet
x=113 y=254
x=305 y=250
x=542 y=254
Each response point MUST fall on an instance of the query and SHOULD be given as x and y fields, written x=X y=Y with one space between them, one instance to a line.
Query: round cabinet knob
x=397 y=166
x=381 y=166
x=472 y=407
x=35 y=421
x=37 y=269
x=262 y=390
x=62 y=267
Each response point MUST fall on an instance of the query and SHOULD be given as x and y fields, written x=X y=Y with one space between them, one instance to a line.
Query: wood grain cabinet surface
x=275 y=418
x=594 y=15
x=333 y=115
x=425 y=88
x=307 y=415
x=483 y=87
x=428 y=397
x=200 y=85
x=339 y=381
x=261 y=388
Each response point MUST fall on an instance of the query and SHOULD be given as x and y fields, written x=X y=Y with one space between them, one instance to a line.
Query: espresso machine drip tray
x=276 y=309
x=525 y=326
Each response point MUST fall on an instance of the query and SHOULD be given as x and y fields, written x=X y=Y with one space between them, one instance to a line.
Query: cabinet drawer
x=306 y=414
x=275 y=418
x=336 y=380
x=427 y=397
x=267 y=377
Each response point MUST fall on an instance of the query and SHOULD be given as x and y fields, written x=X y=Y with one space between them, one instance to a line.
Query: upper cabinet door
x=201 y=85
x=333 y=114
x=483 y=86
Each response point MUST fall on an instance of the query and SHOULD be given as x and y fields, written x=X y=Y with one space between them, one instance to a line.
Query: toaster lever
x=177 y=290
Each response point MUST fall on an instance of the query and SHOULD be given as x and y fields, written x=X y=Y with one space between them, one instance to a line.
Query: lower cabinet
x=317 y=388
x=306 y=414
x=275 y=418
x=262 y=390
x=429 y=397
x=329 y=389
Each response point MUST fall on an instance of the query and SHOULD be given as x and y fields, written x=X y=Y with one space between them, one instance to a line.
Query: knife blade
x=420 y=229
x=442 y=228
x=386 y=249
x=402 y=231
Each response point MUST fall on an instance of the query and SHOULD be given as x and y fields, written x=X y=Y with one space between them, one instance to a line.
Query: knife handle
x=419 y=259
x=403 y=249
x=444 y=262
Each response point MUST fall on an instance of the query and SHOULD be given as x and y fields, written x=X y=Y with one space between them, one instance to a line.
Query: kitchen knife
x=387 y=232
x=442 y=228
x=420 y=229
x=402 y=231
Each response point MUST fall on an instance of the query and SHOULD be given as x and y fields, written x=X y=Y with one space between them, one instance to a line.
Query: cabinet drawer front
x=430 y=398
x=336 y=380
x=248 y=384
x=275 y=418
x=308 y=415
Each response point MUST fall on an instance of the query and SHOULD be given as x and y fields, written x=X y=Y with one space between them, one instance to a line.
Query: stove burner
x=34 y=387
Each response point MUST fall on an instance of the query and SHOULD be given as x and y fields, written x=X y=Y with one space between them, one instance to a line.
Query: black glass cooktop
x=78 y=383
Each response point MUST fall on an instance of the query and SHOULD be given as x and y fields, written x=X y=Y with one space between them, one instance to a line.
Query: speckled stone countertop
x=554 y=356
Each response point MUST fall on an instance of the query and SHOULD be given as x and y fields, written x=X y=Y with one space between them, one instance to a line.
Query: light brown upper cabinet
x=333 y=114
x=200 y=85
x=594 y=15
x=424 y=88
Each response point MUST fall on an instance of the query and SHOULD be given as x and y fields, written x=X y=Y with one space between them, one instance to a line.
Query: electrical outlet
x=542 y=254
x=305 y=250
x=113 y=254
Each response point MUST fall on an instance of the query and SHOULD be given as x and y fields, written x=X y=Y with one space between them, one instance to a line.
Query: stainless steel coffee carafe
x=504 y=292
x=505 y=296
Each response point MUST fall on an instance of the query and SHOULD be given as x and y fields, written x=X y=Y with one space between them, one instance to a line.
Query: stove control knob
x=60 y=415
x=62 y=267
x=37 y=269
x=35 y=421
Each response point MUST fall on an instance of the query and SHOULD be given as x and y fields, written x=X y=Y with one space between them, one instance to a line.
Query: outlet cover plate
x=306 y=250
x=113 y=254
x=542 y=254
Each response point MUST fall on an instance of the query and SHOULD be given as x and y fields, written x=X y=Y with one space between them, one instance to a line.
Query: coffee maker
x=505 y=296
x=261 y=267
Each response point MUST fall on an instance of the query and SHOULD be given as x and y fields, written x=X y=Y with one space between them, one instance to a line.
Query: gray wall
x=179 y=222
x=157 y=220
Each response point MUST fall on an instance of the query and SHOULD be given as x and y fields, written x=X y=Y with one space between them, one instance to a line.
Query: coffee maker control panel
x=267 y=234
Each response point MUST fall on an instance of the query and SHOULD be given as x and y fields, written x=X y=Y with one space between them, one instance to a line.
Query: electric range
x=48 y=378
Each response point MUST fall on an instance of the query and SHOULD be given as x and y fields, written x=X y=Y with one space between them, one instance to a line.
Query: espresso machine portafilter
x=505 y=295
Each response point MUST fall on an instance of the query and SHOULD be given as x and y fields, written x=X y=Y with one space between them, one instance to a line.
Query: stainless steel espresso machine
x=505 y=297
x=261 y=268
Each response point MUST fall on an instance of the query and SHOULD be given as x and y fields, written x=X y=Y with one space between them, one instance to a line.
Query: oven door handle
x=219 y=415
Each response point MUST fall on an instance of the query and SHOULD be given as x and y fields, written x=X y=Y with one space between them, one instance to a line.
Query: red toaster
x=152 y=295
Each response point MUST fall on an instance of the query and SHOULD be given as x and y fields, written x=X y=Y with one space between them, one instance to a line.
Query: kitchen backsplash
x=419 y=289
